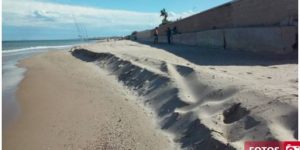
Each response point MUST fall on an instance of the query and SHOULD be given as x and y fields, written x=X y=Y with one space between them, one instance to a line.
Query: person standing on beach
x=156 y=36
x=169 y=34
x=175 y=31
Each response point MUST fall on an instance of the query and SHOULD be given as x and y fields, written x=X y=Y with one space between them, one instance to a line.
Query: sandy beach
x=67 y=104
x=128 y=95
x=150 y=75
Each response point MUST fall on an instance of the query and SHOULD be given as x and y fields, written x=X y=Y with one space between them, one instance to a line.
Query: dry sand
x=68 y=104
x=207 y=96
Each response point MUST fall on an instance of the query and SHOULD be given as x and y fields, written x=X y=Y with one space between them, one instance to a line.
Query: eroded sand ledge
x=211 y=99
x=68 y=104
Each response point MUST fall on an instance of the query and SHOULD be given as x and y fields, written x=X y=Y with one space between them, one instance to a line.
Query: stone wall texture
x=252 y=25
x=241 y=13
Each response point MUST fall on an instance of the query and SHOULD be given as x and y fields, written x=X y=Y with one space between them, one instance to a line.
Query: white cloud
x=46 y=14
x=36 y=13
x=174 y=16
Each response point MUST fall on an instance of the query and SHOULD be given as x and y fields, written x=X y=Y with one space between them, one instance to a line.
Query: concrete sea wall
x=252 y=25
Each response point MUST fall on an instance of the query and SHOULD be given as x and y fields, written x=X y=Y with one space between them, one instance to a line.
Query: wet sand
x=68 y=104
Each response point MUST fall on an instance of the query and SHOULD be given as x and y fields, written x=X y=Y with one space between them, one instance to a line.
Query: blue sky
x=66 y=19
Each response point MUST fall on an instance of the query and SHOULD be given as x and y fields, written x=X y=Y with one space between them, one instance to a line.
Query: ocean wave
x=35 y=48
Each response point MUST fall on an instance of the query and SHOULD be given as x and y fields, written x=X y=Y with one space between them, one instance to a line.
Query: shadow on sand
x=159 y=94
x=224 y=57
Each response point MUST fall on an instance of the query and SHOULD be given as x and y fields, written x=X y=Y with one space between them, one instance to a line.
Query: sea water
x=12 y=53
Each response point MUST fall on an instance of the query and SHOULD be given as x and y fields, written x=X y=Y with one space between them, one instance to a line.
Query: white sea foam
x=35 y=49
x=12 y=75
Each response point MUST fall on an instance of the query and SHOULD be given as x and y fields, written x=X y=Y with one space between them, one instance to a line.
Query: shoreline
x=13 y=74
x=11 y=81
x=74 y=112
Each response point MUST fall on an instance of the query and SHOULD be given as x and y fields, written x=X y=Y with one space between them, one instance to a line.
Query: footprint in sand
x=234 y=113
x=295 y=95
x=294 y=80
x=273 y=67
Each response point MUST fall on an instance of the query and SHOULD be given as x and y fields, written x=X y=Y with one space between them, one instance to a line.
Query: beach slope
x=67 y=104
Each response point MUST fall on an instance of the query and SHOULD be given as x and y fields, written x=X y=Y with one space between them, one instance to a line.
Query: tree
x=164 y=13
